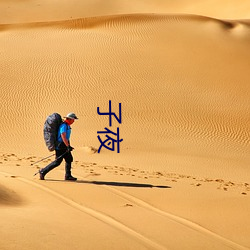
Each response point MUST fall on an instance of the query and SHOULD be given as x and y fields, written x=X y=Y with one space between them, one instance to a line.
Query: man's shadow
x=122 y=184
x=113 y=183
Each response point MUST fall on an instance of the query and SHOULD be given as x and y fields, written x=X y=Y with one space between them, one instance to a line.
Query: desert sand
x=181 y=73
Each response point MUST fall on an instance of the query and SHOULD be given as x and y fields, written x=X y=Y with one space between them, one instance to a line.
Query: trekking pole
x=41 y=160
x=48 y=157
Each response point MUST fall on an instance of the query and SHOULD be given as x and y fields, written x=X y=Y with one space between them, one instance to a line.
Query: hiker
x=63 y=149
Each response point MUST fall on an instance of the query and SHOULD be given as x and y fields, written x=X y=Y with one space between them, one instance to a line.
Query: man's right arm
x=66 y=142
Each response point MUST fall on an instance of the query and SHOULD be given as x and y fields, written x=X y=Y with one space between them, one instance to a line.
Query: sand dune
x=50 y=10
x=181 y=180
x=8 y=197
x=194 y=110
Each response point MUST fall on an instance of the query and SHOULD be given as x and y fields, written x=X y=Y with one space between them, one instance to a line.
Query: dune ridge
x=108 y=20
x=49 y=10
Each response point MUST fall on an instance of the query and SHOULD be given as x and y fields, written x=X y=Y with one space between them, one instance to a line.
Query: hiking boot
x=70 y=178
x=41 y=175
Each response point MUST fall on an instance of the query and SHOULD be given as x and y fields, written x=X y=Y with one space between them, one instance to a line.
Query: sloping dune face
x=182 y=80
x=8 y=197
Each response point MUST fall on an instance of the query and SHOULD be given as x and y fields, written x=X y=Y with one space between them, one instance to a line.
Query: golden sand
x=181 y=179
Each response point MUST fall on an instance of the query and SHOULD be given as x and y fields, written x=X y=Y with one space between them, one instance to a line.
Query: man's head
x=70 y=118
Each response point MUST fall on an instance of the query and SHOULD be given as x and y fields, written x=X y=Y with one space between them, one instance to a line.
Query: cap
x=71 y=116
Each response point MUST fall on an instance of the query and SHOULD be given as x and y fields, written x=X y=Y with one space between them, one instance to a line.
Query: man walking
x=63 y=150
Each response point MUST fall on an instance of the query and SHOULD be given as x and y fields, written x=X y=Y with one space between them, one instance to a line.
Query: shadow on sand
x=122 y=184
x=116 y=184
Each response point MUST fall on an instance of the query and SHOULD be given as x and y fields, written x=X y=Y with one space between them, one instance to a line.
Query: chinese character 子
x=111 y=113
x=109 y=140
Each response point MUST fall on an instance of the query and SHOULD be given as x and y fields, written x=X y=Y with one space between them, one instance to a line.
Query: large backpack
x=50 y=130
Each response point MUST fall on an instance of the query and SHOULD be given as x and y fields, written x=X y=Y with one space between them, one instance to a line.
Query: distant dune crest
x=119 y=20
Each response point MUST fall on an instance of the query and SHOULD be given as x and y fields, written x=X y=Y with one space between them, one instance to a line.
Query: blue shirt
x=64 y=128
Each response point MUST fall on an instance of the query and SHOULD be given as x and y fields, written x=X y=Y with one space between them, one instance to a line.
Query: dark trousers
x=60 y=155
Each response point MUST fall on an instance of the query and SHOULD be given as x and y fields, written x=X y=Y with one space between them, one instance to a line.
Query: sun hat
x=71 y=116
